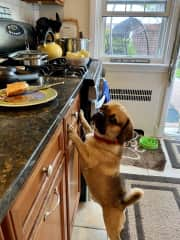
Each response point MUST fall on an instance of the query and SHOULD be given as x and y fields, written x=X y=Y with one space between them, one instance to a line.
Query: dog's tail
x=132 y=196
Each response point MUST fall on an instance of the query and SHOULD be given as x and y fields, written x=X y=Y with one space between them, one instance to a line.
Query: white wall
x=145 y=114
x=22 y=11
x=78 y=9
x=49 y=11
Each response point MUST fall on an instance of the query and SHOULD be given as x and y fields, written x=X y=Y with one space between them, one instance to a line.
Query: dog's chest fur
x=103 y=157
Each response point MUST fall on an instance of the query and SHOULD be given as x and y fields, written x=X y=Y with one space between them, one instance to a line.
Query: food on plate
x=16 y=88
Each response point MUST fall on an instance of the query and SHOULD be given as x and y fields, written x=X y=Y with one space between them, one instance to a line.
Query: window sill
x=135 y=67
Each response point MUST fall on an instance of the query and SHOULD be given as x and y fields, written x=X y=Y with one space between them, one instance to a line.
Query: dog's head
x=113 y=122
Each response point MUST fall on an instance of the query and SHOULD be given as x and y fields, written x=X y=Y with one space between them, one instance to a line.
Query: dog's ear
x=126 y=132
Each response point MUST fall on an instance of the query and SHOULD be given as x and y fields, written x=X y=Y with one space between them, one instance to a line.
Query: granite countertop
x=24 y=132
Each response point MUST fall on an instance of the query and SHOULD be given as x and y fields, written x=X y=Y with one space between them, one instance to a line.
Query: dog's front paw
x=81 y=115
x=70 y=130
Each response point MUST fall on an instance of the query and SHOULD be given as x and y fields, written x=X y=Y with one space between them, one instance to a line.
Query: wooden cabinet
x=46 y=206
x=60 y=2
x=1 y=234
x=72 y=164
x=52 y=223
x=36 y=189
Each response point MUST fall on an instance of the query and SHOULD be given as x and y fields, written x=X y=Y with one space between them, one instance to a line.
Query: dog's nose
x=99 y=116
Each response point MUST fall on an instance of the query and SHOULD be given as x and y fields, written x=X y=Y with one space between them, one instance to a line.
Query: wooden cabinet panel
x=29 y=201
x=45 y=207
x=72 y=164
x=52 y=222
x=1 y=234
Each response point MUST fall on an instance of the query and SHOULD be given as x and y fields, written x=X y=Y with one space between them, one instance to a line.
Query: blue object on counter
x=106 y=91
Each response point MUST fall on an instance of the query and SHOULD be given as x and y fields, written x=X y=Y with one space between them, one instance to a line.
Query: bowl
x=77 y=61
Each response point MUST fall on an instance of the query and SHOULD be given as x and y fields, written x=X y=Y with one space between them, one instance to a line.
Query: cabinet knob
x=48 y=170
x=75 y=114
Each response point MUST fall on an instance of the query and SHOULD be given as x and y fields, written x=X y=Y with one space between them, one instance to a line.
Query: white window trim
x=96 y=29
x=135 y=14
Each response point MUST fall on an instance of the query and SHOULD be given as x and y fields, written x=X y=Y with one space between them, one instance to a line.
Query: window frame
x=106 y=13
x=97 y=33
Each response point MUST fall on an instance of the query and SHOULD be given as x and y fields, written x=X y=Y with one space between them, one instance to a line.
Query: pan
x=11 y=74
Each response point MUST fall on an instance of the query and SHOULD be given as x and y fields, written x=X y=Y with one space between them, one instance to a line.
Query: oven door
x=97 y=104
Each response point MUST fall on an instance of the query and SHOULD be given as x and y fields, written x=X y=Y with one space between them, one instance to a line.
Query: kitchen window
x=134 y=30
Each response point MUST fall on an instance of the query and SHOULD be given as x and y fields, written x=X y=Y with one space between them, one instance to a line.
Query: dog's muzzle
x=99 y=120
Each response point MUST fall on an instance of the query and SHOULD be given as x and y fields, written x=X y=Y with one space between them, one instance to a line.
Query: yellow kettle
x=52 y=49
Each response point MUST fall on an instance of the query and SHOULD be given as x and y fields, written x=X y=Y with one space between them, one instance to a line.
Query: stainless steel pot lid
x=27 y=54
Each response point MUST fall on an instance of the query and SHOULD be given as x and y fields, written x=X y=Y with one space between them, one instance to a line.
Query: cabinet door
x=27 y=206
x=53 y=224
x=1 y=234
x=72 y=164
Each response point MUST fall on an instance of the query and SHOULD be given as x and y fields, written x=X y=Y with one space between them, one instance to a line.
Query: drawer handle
x=48 y=170
x=75 y=114
x=47 y=213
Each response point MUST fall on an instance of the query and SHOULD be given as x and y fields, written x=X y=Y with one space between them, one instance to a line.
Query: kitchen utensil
x=10 y=74
x=53 y=49
x=45 y=86
x=29 y=57
x=30 y=90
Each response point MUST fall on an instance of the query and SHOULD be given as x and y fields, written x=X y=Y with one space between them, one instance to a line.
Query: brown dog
x=100 y=157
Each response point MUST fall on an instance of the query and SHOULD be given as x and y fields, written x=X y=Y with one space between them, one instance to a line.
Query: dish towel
x=106 y=91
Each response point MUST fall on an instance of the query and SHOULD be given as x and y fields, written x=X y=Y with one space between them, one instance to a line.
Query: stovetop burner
x=59 y=68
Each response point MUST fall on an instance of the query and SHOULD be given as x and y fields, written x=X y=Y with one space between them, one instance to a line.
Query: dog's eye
x=112 y=119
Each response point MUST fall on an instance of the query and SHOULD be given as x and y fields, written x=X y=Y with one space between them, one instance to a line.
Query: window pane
x=142 y=36
x=136 y=6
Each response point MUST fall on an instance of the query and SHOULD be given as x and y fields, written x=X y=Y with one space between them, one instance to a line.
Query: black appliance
x=15 y=35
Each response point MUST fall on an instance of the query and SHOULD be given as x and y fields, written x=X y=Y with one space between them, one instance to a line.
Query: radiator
x=131 y=94
x=140 y=105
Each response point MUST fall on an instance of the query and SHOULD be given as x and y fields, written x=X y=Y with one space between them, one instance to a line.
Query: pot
x=29 y=57
x=52 y=49
x=10 y=74
x=74 y=44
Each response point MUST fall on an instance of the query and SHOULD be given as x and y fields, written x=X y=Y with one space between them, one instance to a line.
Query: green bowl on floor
x=149 y=143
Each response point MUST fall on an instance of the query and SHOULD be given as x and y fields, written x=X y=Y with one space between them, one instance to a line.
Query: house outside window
x=134 y=30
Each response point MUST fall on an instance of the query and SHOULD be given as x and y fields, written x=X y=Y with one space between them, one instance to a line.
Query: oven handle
x=100 y=102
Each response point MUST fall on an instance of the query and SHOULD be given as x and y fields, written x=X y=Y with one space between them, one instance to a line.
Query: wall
x=49 y=11
x=78 y=9
x=145 y=114
x=22 y=11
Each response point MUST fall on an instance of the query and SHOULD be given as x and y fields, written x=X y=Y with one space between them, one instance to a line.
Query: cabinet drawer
x=28 y=203
x=51 y=222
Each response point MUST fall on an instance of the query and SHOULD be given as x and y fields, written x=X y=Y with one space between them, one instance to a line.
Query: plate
x=29 y=99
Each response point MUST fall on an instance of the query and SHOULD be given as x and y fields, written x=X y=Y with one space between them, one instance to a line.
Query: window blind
x=136 y=8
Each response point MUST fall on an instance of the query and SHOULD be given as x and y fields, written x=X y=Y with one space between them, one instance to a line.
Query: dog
x=100 y=158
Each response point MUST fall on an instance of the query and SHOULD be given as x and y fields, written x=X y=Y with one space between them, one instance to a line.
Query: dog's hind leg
x=114 y=219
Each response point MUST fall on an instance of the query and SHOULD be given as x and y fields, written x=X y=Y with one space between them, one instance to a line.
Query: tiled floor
x=89 y=223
